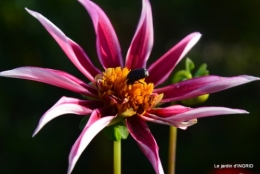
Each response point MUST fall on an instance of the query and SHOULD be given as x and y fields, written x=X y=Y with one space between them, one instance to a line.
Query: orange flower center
x=125 y=99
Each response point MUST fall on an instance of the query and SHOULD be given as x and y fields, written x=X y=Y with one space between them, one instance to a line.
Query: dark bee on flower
x=136 y=74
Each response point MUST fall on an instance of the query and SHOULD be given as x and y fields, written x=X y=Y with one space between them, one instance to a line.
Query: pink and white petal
x=154 y=120
x=65 y=105
x=52 y=77
x=184 y=124
x=205 y=112
x=160 y=120
x=141 y=46
x=108 y=48
x=145 y=140
x=201 y=85
x=161 y=69
x=86 y=136
x=169 y=111
x=71 y=49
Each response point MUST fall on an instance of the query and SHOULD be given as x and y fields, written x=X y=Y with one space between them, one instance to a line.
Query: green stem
x=117 y=157
x=172 y=150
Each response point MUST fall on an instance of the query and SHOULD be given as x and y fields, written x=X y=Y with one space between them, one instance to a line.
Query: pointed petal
x=205 y=112
x=52 y=77
x=142 y=43
x=160 y=70
x=71 y=49
x=145 y=140
x=201 y=85
x=108 y=48
x=65 y=105
x=86 y=136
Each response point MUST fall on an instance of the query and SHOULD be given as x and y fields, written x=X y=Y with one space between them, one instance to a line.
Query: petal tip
x=196 y=36
x=30 y=11
x=35 y=132
x=250 y=78
x=240 y=111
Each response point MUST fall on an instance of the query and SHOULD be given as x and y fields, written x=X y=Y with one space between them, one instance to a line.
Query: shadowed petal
x=65 y=105
x=201 y=85
x=160 y=70
x=86 y=136
x=142 y=42
x=145 y=140
x=169 y=111
x=52 y=77
x=72 y=49
x=108 y=48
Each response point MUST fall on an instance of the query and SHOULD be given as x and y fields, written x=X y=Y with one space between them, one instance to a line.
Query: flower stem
x=172 y=150
x=117 y=157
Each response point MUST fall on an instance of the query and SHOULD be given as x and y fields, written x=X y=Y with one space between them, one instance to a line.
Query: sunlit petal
x=52 y=77
x=88 y=133
x=205 y=112
x=72 y=49
x=65 y=105
x=201 y=85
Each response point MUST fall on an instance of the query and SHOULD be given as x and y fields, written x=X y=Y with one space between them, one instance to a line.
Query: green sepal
x=186 y=74
x=181 y=75
x=202 y=71
x=116 y=131
x=189 y=65
x=83 y=122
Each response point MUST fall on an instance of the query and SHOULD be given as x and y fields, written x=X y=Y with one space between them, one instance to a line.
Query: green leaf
x=189 y=65
x=202 y=71
x=116 y=131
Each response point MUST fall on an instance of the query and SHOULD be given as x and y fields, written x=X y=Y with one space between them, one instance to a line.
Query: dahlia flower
x=110 y=97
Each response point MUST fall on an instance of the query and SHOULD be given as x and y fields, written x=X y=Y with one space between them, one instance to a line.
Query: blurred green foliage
x=230 y=46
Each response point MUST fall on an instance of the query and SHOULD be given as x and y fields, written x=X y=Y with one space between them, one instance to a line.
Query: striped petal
x=52 y=77
x=189 y=117
x=75 y=53
x=108 y=48
x=205 y=112
x=142 y=42
x=145 y=140
x=161 y=69
x=88 y=133
x=65 y=105
x=201 y=85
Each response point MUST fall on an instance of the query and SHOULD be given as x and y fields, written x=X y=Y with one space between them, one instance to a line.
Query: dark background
x=230 y=46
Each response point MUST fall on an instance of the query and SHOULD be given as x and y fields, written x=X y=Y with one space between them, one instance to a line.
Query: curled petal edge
x=88 y=133
x=65 y=105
